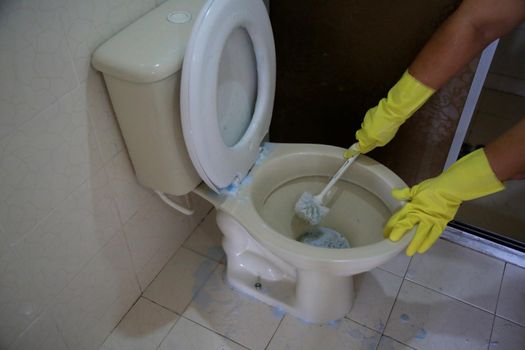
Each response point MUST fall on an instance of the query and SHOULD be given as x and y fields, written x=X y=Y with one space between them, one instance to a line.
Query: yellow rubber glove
x=382 y=121
x=434 y=202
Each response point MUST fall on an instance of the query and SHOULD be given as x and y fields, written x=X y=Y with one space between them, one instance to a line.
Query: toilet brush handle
x=336 y=177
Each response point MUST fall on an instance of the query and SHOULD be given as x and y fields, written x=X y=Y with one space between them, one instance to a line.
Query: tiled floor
x=450 y=298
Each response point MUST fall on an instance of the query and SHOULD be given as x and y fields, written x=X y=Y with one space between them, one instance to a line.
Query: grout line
x=168 y=332
x=397 y=295
x=132 y=260
x=274 y=333
x=500 y=288
x=162 y=306
x=173 y=254
x=449 y=296
x=214 y=331
x=204 y=217
x=120 y=321
x=194 y=295
x=491 y=331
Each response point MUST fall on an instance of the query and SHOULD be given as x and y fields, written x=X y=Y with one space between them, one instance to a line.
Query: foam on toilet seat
x=324 y=237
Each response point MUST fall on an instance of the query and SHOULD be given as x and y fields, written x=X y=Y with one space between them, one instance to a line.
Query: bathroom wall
x=79 y=238
x=336 y=59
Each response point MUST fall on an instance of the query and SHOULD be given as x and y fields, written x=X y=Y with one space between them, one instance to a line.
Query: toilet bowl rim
x=242 y=208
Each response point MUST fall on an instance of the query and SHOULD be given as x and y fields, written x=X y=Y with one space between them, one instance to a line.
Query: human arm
x=471 y=28
x=506 y=154
x=474 y=25
x=434 y=202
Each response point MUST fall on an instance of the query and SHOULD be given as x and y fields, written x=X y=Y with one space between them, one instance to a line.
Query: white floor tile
x=424 y=319
x=188 y=335
x=153 y=234
x=507 y=336
x=238 y=317
x=180 y=279
x=376 y=293
x=460 y=273
x=398 y=265
x=143 y=328
x=42 y=335
x=294 y=334
x=388 y=343
x=207 y=239
x=511 y=303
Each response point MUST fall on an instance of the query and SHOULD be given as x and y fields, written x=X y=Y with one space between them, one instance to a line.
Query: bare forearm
x=506 y=154
x=473 y=26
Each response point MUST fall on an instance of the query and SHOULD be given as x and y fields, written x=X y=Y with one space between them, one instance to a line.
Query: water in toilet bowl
x=324 y=237
x=356 y=213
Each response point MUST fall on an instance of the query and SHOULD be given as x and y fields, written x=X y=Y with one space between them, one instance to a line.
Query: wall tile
x=154 y=233
x=35 y=67
x=42 y=335
x=89 y=23
x=43 y=162
x=88 y=309
x=206 y=239
x=201 y=206
x=102 y=116
x=45 y=260
x=129 y=194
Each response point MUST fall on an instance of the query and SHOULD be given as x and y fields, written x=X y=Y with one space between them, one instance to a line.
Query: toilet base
x=316 y=305
x=311 y=296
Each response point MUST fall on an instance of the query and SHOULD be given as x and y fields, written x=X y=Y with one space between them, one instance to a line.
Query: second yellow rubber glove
x=382 y=121
x=434 y=202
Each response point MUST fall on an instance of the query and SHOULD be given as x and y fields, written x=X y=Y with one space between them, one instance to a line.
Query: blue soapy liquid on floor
x=421 y=334
x=324 y=237
x=278 y=312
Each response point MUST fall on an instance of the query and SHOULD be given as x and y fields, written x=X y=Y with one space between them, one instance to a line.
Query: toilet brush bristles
x=310 y=208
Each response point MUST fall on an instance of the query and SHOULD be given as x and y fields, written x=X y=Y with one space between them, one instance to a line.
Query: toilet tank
x=142 y=66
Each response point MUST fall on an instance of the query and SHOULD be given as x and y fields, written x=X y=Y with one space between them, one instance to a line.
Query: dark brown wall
x=337 y=58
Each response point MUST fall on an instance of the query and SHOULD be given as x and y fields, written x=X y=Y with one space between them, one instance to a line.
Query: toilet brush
x=311 y=208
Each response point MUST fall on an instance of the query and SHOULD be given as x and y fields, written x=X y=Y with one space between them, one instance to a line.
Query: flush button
x=179 y=17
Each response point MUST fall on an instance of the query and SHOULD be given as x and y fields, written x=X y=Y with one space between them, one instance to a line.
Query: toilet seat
x=218 y=162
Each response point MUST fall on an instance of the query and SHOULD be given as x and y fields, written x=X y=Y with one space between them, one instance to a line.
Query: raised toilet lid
x=227 y=89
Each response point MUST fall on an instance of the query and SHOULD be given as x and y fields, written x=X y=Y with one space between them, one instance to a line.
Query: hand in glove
x=434 y=202
x=382 y=121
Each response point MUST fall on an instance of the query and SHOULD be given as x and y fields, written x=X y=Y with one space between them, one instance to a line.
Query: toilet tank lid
x=152 y=48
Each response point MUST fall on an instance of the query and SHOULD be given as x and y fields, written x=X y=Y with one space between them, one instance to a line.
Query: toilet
x=192 y=85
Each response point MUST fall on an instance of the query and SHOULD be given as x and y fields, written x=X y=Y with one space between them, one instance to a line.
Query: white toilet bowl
x=260 y=229
x=205 y=120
